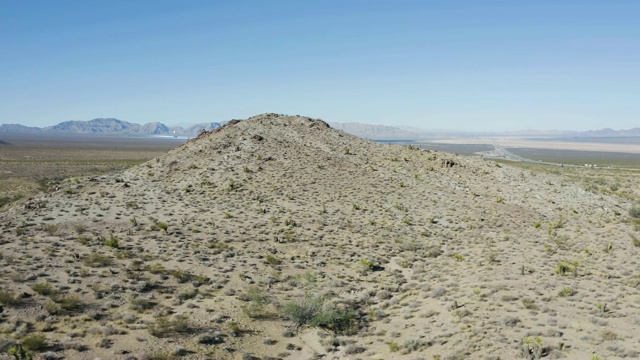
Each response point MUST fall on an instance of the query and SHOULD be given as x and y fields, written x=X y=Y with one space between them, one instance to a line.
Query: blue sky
x=467 y=65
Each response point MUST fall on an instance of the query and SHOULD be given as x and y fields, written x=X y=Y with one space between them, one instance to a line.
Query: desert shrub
x=258 y=302
x=608 y=335
x=97 y=260
x=84 y=239
x=368 y=265
x=199 y=280
x=68 y=302
x=187 y=293
x=163 y=226
x=182 y=275
x=411 y=345
x=316 y=311
x=394 y=346
x=530 y=304
x=340 y=321
x=112 y=242
x=156 y=269
x=4 y=200
x=564 y=268
x=272 y=260
x=140 y=304
x=532 y=347
x=44 y=288
x=53 y=308
x=301 y=312
x=634 y=212
x=165 y=327
x=51 y=229
x=35 y=342
x=9 y=298
x=80 y=228
x=566 y=292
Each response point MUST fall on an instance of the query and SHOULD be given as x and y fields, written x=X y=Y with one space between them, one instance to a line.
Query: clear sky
x=445 y=64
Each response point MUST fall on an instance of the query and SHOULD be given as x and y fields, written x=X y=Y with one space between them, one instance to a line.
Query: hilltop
x=281 y=237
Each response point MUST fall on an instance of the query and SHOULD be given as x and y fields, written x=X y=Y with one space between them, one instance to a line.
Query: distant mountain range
x=113 y=126
x=376 y=132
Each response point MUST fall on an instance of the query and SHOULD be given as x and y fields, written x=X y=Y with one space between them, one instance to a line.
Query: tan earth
x=278 y=237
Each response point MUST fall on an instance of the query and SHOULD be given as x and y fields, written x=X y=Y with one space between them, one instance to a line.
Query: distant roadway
x=501 y=153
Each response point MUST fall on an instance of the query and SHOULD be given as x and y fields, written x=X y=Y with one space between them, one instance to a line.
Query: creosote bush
x=35 y=342
x=165 y=327
x=98 y=260
x=316 y=311
x=634 y=212
x=9 y=298
x=44 y=288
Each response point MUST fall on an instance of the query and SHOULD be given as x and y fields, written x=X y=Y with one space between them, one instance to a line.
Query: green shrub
x=258 y=302
x=44 y=288
x=369 y=265
x=634 y=212
x=165 y=327
x=8 y=199
x=272 y=260
x=163 y=226
x=182 y=275
x=140 y=304
x=157 y=269
x=35 y=342
x=316 y=311
x=532 y=347
x=301 y=312
x=9 y=298
x=565 y=268
x=51 y=229
x=187 y=293
x=566 y=292
x=340 y=321
x=113 y=241
x=98 y=260
x=68 y=302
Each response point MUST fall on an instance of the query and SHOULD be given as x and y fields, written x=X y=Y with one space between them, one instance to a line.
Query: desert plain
x=278 y=237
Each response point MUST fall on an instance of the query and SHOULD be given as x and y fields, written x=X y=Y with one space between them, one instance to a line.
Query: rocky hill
x=279 y=237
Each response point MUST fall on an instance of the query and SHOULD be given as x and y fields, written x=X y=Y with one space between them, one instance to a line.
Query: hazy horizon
x=461 y=65
x=406 y=128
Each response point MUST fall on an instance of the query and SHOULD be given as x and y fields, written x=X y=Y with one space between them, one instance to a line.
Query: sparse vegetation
x=166 y=327
x=98 y=260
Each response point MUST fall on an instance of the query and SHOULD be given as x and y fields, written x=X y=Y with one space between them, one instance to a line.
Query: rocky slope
x=279 y=237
